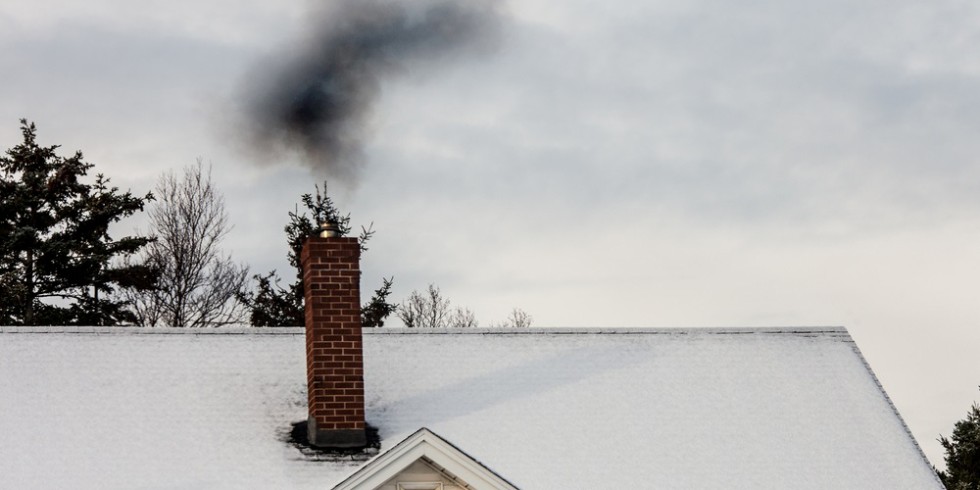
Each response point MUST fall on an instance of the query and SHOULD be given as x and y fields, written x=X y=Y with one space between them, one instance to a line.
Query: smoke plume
x=315 y=99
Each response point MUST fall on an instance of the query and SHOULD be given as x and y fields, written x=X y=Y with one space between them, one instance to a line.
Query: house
x=530 y=409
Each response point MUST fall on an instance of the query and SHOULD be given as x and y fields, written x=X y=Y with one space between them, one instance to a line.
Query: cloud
x=738 y=114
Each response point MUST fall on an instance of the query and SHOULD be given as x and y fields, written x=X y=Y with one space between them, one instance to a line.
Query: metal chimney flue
x=329 y=229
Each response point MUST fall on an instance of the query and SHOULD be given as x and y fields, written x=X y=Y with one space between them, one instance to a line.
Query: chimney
x=334 y=362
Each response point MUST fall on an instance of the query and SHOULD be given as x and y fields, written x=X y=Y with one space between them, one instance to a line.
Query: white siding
x=420 y=471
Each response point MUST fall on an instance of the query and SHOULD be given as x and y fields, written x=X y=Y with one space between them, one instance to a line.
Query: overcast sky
x=641 y=163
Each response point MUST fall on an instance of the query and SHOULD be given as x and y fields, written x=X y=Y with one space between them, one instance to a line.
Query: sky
x=650 y=163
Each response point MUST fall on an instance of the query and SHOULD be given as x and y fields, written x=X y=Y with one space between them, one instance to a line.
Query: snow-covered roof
x=545 y=409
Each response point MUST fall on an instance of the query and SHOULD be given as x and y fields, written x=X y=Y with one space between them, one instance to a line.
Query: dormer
x=424 y=461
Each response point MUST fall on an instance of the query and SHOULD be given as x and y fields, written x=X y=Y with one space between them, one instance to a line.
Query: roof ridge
x=805 y=330
x=129 y=330
x=842 y=331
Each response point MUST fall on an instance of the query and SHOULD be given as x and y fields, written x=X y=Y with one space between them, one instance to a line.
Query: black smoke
x=315 y=98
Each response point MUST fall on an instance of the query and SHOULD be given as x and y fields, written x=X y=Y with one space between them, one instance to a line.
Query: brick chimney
x=334 y=362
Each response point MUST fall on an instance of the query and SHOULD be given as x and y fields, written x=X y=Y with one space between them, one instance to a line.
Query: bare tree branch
x=518 y=318
x=463 y=318
x=429 y=310
x=432 y=310
x=198 y=283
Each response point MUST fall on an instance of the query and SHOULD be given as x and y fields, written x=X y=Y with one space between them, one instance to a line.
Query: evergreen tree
x=272 y=305
x=963 y=453
x=55 y=242
x=374 y=313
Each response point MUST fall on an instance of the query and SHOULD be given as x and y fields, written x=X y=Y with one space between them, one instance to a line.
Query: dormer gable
x=424 y=461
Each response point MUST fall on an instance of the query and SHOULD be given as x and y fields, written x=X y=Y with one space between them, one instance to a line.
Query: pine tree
x=374 y=313
x=55 y=242
x=963 y=453
x=272 y=305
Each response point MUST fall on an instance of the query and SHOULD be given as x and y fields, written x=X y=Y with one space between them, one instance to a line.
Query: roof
x=544 y=409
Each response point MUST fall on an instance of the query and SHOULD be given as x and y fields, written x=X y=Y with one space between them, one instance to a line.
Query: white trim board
x=424 y=444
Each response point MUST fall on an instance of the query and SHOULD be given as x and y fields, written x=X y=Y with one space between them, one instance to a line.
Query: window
x=415 y=485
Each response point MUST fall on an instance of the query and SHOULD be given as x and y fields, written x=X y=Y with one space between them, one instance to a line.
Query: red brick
x=334 y=353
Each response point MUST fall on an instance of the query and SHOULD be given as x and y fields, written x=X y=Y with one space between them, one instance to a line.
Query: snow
x=545 y=409
x=152 y=411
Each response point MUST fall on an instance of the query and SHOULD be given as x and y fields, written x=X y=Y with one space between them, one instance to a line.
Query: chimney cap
x=329 y=229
